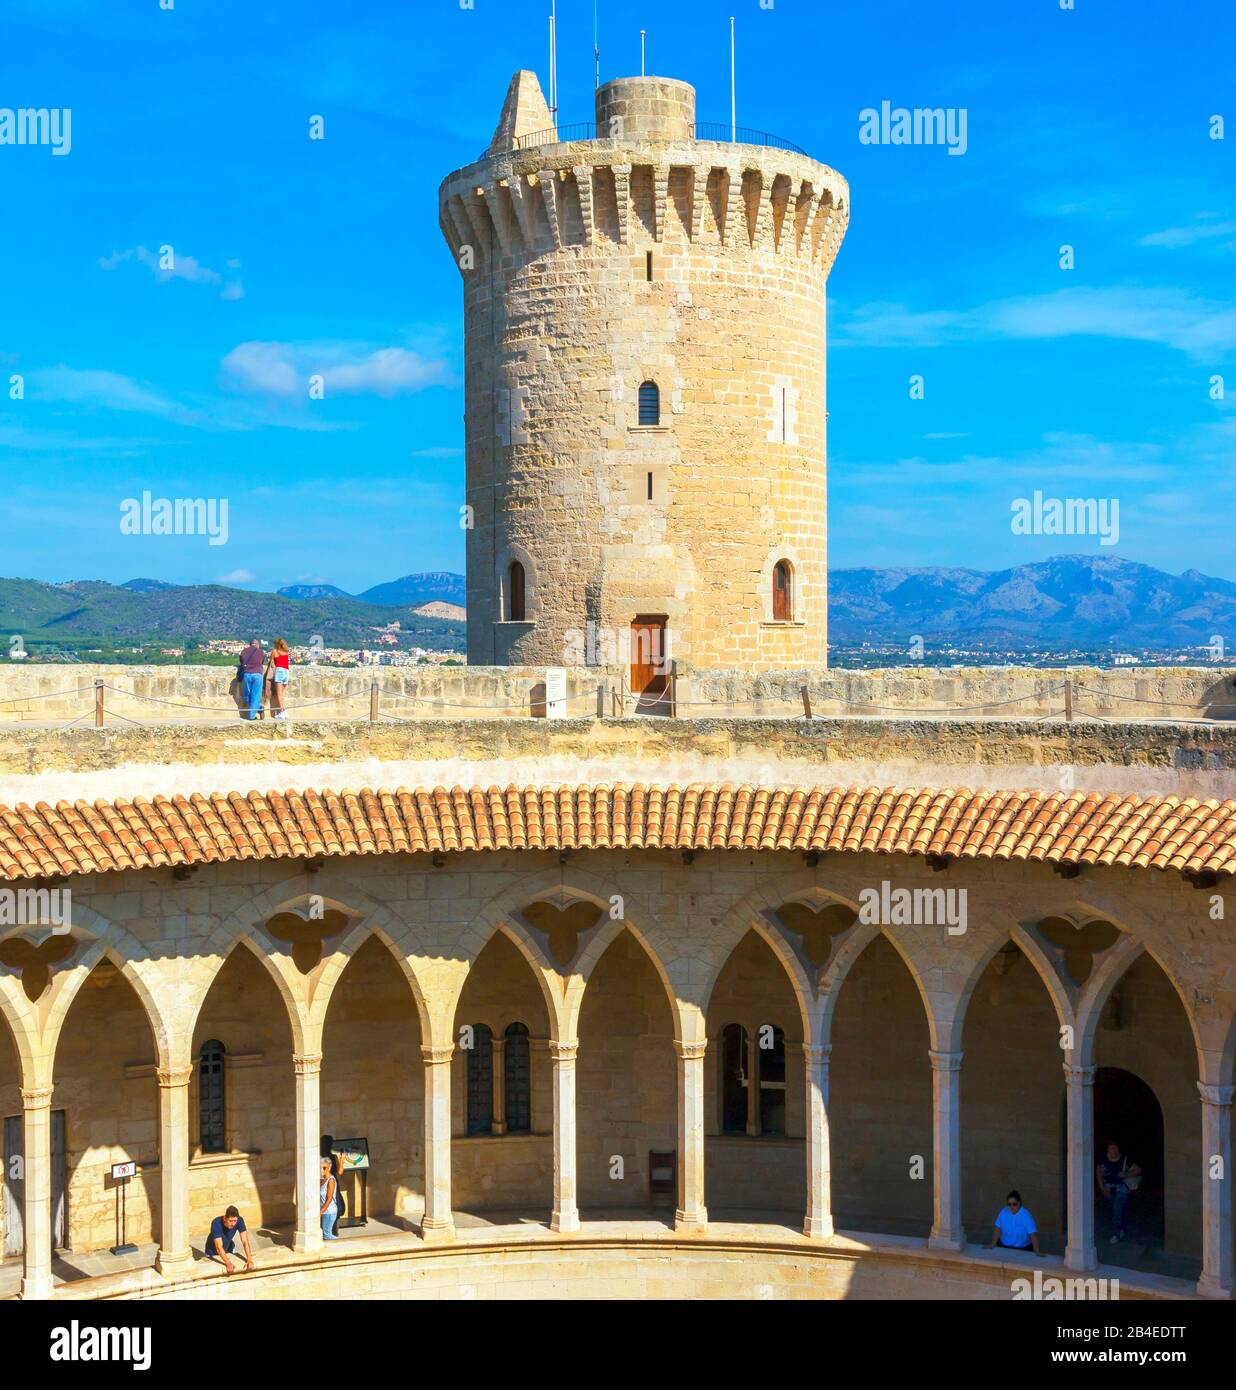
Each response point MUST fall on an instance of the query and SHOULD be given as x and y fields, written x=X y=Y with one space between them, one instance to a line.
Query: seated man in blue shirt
x=221 y=1242
x=1015 y=1228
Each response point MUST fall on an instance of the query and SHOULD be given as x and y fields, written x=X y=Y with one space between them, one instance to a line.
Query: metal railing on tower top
x=701 y=130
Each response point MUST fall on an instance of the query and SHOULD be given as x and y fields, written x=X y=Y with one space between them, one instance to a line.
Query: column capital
x=690 y=1051
x=817 y=1053
x=172 y=1077
x=563 y=1051
x=36 y=1097
x=307 y=1063
x=1211 y=1095
x=436 y=1056
x=945 y=1061
x=1078 y=1076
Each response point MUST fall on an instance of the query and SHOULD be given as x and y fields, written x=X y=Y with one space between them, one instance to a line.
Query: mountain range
x=1068 y=603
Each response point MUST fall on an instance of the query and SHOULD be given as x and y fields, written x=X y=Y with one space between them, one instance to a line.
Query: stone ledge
x=846 y=1254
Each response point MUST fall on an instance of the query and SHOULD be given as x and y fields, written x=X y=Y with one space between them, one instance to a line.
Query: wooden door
x=647 y=655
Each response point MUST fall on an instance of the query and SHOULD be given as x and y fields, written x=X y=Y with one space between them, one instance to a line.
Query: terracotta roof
x=1056 y=827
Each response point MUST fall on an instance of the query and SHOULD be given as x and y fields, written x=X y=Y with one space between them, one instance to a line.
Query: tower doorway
x=650 y=665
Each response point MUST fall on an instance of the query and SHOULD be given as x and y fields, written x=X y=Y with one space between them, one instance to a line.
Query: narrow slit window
x=515 y=603
x=648 y=266
x=650 y=487
x=649 y=403
x=783 y=592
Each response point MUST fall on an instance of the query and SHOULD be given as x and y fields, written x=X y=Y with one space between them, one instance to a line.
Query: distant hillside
x=415 y=589
x=147 y=586
x=300 y=592
x=1067 y=602
x=76 y=614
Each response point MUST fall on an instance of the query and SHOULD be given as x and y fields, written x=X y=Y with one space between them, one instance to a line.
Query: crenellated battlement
x=523 y=203
x=638 y=175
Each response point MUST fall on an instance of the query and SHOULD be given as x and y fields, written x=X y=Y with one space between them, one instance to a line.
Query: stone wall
x=40 y=693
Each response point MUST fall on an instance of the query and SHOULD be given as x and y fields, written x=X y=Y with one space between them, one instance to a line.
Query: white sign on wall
x=555 y=692
x=123 y=1170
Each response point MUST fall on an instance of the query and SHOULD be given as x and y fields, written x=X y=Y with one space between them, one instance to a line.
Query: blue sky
x=1088 y=127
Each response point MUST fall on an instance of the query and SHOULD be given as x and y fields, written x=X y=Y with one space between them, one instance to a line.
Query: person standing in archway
x=1117 y=1176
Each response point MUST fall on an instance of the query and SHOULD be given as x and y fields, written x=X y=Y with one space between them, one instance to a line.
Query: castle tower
x=645 y=335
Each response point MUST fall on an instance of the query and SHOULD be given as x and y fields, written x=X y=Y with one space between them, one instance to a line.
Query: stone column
x=946 y=1229
x=566 y=1210
x=754 y=1127
x=174 y=1256
x=1080 y=1253
x=498 y=1053
x=308 y=1236
x=1217 y=1263
x=691 y=1214
x=438 y=1223
x=37 y=1183
x=819 y=1222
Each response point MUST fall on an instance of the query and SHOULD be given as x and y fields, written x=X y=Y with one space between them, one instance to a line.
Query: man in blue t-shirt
x=1015 y=1228
x=221 y=1242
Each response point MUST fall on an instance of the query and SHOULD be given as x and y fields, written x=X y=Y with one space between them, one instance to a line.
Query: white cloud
x=1173 y=318
x=237 y=577
x=108 y=389
x=175 y=266
x=1203 y=230
x=284 y=369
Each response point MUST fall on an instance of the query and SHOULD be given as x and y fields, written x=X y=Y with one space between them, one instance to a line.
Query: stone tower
x=645 y=335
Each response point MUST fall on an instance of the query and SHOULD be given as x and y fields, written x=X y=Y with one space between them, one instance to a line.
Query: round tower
x=645 y=336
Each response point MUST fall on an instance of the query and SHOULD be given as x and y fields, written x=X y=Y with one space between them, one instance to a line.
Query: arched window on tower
x=783 y=592
x=649 y=403
x=516 y=605
x=481 y=1080
x=211 y=1098
x=517 y=1080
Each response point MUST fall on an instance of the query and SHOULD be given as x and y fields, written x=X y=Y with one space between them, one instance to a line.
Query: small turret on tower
x=524 y=112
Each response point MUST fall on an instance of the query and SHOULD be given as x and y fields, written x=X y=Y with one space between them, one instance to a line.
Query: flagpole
x=733 y=106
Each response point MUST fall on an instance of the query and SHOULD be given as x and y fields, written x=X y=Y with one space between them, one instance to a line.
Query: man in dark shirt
x=1117 y=1176
x=252 y=662
x=221 y=1243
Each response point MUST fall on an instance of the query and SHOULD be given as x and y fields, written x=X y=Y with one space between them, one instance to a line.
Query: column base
x=307 y=1242
x=691 y=1220
x=955 y=1242
x=1210 y=1288
x=37 y=1288
x=437 y=1230
x=1081 y=1258
x=565 y=1220
x=819 y=1228
x=172 y=1263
